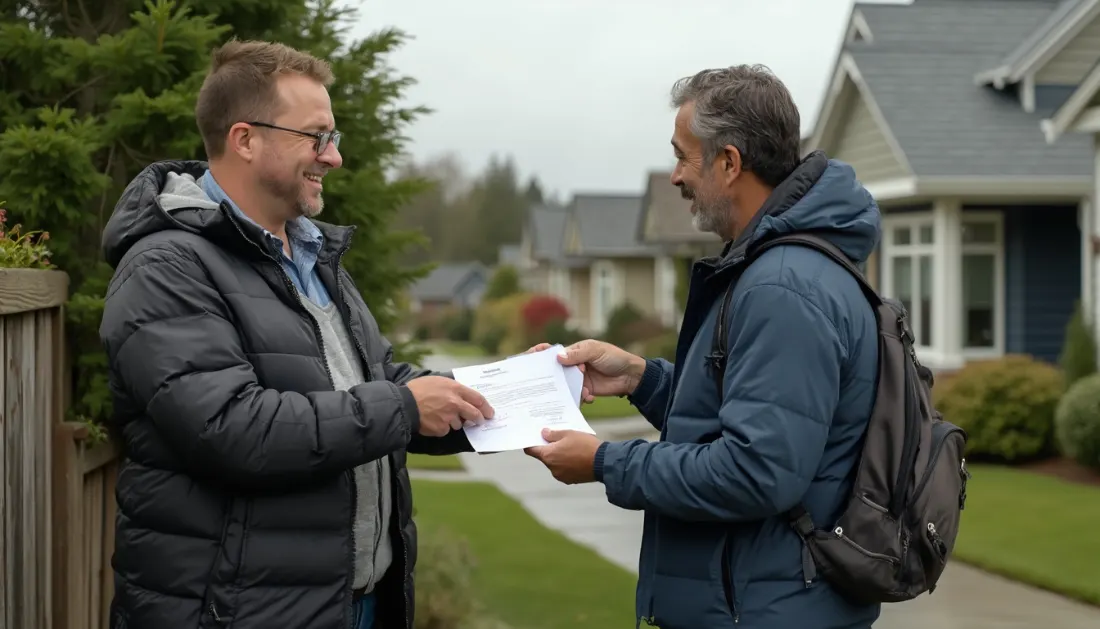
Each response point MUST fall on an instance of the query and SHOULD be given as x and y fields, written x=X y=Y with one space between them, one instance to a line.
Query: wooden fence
x=56 y=487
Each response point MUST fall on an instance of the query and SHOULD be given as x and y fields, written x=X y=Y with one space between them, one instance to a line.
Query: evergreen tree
x=92 y=92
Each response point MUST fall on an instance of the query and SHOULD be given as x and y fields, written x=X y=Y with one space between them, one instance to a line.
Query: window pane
x=975 y=232
x=924 y=323
x=925 y=234
x=901 y=236
x=978 y=294
x=903 y=282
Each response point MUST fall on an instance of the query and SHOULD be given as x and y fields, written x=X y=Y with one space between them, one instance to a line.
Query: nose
x=677 y=177
x=331 y=157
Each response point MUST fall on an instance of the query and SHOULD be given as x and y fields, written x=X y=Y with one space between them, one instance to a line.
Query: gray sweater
x=373 y=552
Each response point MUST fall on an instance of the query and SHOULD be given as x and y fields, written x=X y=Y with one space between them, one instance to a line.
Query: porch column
x=1090 y=298
x=947 y=294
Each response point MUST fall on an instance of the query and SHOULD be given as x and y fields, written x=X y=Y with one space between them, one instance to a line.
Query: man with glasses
x=263 y=419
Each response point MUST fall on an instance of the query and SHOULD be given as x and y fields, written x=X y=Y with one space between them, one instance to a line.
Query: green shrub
x=498 y=325
x=618 y=324
x=559 y=332
x=444 y=581
x=1005 y=405
x=503 y=283
x=22 y=250
x=458 y=325
x=663 y=346
x=1078 y=358
x=1077 y=422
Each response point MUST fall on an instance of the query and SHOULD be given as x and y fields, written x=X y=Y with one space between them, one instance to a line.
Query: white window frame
x=947 y=251
x=997 y=249
x=603 y=273
x=890 y=250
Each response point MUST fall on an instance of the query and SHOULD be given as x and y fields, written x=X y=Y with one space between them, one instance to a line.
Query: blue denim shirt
x=305 y=244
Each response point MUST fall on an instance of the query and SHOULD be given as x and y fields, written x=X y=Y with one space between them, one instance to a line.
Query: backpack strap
x=717 y=358
x=798 y=517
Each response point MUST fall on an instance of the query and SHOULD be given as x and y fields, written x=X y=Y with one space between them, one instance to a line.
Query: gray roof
x=548 y=229
x=607 y=224
x=919 y=68
x=446 y=281
x=1053 y=18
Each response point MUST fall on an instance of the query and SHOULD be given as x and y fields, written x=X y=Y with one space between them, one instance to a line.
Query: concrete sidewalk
x=965 y=599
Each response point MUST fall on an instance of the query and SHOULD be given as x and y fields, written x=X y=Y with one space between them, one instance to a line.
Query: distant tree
x=503 y=283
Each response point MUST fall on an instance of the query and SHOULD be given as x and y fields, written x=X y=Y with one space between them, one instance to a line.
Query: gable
x=1069 y=65
x=852 y=130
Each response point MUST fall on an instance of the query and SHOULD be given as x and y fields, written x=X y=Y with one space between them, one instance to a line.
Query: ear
x=732 y=165
x=242 y=141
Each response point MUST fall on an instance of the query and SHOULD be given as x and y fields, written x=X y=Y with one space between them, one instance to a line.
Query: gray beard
x=713 y=215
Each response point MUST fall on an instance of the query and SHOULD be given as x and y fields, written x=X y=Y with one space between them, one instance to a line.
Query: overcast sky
x=577 y=90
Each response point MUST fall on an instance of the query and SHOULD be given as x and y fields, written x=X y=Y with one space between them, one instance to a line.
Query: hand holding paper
x=528 y=393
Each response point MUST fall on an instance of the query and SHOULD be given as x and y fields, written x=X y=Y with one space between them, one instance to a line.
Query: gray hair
x=748 y=107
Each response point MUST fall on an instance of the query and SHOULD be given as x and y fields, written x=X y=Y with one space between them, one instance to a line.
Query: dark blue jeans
x=364 y=612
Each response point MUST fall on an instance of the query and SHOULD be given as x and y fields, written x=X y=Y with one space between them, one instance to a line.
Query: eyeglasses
x=322 y=137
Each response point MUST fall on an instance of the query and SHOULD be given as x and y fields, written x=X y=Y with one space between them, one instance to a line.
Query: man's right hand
x=444 y=404
x=608 y=370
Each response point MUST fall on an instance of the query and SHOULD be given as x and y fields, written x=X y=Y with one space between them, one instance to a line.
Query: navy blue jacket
x=717 y=547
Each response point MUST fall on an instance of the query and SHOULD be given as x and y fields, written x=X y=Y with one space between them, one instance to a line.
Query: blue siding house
x=944 y=110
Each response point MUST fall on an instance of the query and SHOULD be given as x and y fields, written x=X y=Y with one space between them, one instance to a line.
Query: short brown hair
x=241 y=86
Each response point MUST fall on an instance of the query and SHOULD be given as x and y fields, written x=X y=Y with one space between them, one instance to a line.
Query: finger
x=535 y=452
x=468 y=412
x=577 y=353
x=553 y=435
x=478 y=401
x=538 y=348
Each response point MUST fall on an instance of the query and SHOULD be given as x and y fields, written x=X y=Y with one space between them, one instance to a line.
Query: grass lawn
x=1033 y=528
x=527 y=576
x=456 y=349
x=427 y=462
x=608 y=408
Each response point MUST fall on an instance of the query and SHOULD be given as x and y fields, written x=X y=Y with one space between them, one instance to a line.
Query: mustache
x=687 y=193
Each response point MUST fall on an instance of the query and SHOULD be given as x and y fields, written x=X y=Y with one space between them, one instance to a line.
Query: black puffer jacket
x=236 y=497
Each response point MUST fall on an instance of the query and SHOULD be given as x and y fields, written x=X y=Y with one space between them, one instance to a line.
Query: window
x=909 y=267
x=981 y=251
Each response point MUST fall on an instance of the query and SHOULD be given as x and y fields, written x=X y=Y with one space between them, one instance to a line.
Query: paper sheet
x=528 y=392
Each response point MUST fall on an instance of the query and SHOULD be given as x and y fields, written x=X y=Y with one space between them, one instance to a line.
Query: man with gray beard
x=784 y=425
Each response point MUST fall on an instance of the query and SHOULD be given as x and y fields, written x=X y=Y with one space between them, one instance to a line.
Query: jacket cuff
x=651 y=380
x=412 y=411
x=597 y=463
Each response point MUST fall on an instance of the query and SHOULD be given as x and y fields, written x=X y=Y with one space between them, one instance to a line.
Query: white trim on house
x=1014 y=189
x=1043 y=49
x=664 y=289
x=1027 y=93
x=858 y=29
x=604 y=274
x=844 y=71
x=945 y=251
x=1075 y=114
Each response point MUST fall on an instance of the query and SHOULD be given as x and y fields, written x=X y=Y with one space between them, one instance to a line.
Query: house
x=939 y=106
x=449 y=285
x=542 y=265
x=665 y=225
x=508 y=255
x=599 y=228
x=1072 y=36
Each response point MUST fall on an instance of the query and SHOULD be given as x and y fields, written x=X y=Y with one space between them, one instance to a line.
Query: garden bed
x=1065 y=469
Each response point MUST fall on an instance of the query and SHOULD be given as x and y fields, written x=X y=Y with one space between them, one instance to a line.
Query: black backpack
x=892 y=541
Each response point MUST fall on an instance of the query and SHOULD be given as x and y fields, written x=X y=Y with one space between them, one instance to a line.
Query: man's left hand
x=570 y=456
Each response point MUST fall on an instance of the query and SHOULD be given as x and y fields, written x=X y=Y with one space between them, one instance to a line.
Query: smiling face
x=700 y=181
x=288 y=167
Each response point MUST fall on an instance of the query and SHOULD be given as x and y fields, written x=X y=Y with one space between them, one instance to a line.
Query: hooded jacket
x=787 y=427
x=236 y=496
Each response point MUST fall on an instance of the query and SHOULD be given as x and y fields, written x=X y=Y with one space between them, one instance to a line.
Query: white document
x=528 y=392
